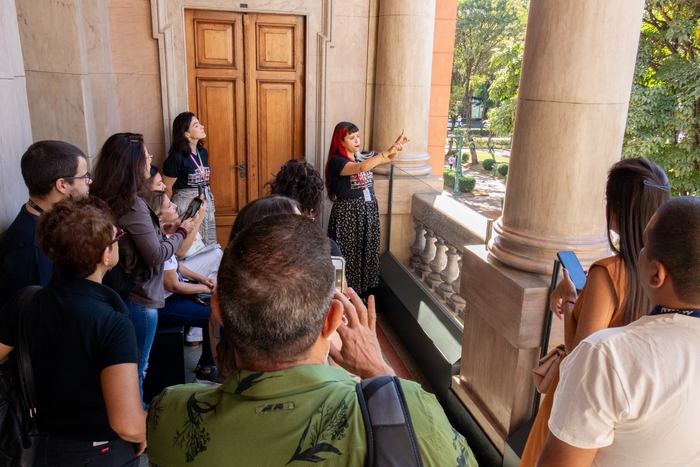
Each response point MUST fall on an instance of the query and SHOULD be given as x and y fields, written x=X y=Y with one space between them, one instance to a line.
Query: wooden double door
x=246 y=85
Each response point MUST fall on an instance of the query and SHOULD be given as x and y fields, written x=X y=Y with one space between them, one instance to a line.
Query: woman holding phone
x=186 y=172
x=121 y=179
x=354 y=220
x=613 y=295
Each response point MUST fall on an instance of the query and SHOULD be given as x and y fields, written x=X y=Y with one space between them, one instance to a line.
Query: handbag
x=19 y=435
x=549 y=366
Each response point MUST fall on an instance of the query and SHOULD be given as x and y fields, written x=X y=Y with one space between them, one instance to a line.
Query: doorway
x=245 y=74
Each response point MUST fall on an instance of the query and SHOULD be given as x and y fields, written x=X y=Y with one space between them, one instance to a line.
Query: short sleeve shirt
x=301 y=416
x=186 y=169
x=349 y=186
x=631 y=393
x=77 y=328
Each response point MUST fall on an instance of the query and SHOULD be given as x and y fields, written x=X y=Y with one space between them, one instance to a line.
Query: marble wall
x=15 y=132
x=92 y=70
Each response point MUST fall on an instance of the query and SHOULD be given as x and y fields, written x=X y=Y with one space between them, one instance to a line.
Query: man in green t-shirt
x=283 y=404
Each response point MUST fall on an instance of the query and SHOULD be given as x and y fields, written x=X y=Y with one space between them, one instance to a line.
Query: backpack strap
x=391 y=440
x=24 y=363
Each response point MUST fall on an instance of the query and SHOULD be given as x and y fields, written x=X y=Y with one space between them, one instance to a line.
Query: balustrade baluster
x=449 y=274
x=427 y=255
x=437 y=264
x=418 y=245
x=456 y=302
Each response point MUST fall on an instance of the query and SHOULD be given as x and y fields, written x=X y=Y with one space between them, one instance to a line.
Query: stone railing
x=443 y=228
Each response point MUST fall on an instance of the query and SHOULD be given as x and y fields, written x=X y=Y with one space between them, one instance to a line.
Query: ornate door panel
x=245 y=84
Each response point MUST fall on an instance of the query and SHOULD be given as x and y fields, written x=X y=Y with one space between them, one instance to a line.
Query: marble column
x=403 y=78
x=16 y=131
x=574 y=93
x=572 y=105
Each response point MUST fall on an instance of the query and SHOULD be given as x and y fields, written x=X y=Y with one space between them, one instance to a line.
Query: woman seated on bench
x=186 y=292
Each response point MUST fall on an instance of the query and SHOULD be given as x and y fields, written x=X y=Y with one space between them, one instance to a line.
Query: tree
x=504 y=88
x=483 y=28
x=663 y=123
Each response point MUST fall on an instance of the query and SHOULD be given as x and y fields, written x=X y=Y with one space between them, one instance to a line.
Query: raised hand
x=360 y=353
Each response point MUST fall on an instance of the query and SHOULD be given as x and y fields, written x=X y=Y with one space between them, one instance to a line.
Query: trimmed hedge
x=498 y=143
x=503 y=169
x=488 y=164
x=466 y=183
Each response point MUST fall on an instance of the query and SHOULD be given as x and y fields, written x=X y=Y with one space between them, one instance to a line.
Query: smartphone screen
x=339 y=264
x=573 y=266
x=192 y=209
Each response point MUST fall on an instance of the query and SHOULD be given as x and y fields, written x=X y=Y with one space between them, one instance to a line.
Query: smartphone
x=192 y=209
x=573 y=266
x=339 y=264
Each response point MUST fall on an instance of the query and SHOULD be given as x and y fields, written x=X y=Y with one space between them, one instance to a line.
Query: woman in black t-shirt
x=354 y=220
x=186 y=171
x=82 y=345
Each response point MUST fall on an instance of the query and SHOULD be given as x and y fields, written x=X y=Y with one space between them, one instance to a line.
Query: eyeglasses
x=87 y=177
x=120 y=234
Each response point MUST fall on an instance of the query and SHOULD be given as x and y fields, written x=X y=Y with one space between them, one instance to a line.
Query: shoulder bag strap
x=391 y=440
x=24 y=363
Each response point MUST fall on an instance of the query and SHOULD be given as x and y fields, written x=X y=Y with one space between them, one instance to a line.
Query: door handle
x=242 y=168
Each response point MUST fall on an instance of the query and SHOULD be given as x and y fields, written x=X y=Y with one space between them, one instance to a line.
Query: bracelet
x=570 y=301
x=182 y=231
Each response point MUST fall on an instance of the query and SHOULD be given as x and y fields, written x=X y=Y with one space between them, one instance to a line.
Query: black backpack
x=391 y=441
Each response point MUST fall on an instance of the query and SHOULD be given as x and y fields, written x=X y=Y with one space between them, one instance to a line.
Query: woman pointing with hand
x=354 y=219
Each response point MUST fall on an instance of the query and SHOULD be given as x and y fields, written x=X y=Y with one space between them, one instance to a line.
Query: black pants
x=57 y=452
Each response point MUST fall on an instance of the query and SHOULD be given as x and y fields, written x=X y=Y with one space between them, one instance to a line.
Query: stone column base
x=503 y=322
x=407 y=165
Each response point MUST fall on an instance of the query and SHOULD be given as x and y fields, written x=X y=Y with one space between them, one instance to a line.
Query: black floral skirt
x=354 y=225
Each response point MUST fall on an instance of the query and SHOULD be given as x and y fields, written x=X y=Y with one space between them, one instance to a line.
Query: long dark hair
x=259 y=209
x=635 y=190
x=119 y=174
x=300 y=181
x=341 y=129
x=179 y=142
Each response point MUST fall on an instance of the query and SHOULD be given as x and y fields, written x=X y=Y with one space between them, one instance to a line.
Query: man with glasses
x=52 y=171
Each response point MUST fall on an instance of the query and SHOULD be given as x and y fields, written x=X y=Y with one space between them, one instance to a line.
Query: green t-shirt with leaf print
x=300 y=416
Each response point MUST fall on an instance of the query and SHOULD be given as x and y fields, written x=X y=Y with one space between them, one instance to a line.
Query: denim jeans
x=57 y=452
x=180 y=310
x=145 y=321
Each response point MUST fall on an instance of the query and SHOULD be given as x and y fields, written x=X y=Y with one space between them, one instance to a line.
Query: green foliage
x=503 y=169
x=663 y=123
x=488 y=164
x=483 y=28
x=498 y=143
x=466 y=183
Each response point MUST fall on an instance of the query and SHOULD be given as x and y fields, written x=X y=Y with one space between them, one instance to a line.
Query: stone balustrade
x=443 y=227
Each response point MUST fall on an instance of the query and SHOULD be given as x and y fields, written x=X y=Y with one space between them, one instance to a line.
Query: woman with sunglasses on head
x=186 y=170
x=613 y=295
x=354 y=220
x=121 y=179
x=81 y=344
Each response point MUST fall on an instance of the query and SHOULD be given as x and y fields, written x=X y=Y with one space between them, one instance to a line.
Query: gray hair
x=275 y=285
